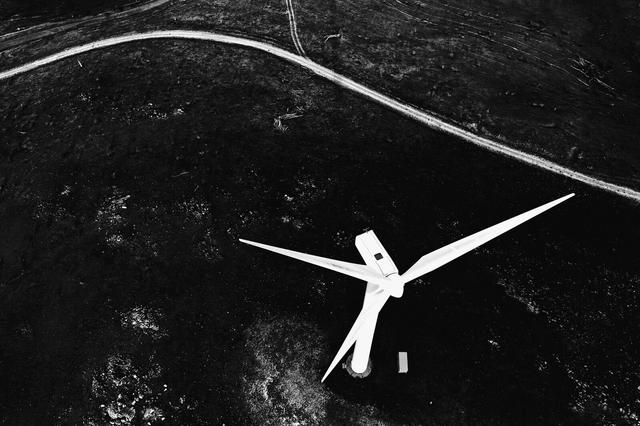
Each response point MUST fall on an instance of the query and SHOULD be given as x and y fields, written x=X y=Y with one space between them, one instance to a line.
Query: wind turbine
x=383 y=281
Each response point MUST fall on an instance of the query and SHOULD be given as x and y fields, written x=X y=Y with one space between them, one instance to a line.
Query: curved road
x=407 y=110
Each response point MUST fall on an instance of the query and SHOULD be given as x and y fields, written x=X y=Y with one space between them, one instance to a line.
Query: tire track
x=293 y=28
x=409 y=111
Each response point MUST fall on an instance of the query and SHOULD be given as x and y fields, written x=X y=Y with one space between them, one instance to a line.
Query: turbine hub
x=396 y=287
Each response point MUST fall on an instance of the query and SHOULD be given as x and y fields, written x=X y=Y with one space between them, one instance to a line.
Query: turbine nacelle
x=377 y=258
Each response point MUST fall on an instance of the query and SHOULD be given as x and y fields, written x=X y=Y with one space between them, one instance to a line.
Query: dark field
x=125 y=297
x=558 y=79
x=58 y=8
x=127 y=176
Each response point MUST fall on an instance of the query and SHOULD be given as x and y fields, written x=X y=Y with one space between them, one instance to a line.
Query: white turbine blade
x=378 y=299
x=446 y=254
x=362 y=272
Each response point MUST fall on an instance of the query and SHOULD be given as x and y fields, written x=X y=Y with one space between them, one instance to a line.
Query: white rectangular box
x=403 y=362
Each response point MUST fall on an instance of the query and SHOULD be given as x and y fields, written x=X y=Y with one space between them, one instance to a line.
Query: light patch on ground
x=398 y=72
x=153 y=112
x=123 y=393
x=281 y=383
x=208 y=248
x=66 y=191
x=144 y=320
x=296 y=223
x=307 y=190
x=197 y=213
x=494 y=344
x=191 y=216
x=195 y=210
x=109 y=217
x=342 y=239
x=319 y=287
x=46 y=210
x=589 y=395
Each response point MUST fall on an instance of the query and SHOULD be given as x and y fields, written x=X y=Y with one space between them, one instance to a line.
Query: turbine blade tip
x=566 y=197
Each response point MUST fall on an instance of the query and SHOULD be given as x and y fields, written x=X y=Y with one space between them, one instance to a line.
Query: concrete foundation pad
x=347 y=366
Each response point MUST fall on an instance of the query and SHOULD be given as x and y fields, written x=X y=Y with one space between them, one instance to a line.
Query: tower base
x=347 y=366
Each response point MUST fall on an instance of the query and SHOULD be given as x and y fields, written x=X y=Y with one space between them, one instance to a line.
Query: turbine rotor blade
x=446 y=254
x=362 y=272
